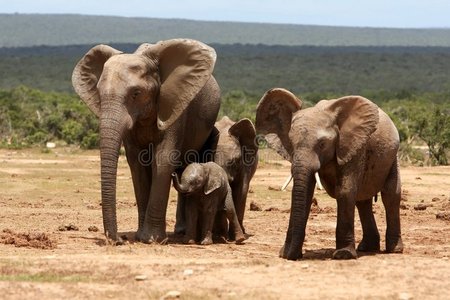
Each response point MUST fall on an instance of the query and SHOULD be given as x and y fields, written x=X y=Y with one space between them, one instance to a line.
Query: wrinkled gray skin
x=207 y=193
x=234 y=148
x=147 y=100
x=236 y=152
x=353 y=145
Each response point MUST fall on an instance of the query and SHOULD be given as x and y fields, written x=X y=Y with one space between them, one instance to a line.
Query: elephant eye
x=136 y=93
x=322 y=144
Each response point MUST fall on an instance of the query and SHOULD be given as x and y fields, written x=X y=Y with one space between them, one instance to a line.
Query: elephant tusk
x=289 y=179
x=319 y=184
x=286 y=183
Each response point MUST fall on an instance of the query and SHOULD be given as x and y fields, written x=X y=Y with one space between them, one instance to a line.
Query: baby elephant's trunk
x=177 y=185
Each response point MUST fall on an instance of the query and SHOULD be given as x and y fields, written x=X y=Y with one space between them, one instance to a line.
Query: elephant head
x=236 y=146
x=196 y=177
x=332 y=133
x=150 y=87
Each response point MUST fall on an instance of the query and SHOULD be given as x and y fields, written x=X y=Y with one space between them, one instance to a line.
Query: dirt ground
x=49 y=249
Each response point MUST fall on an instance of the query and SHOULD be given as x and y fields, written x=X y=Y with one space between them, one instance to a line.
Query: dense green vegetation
x=32 y=117
x=379 y=73
x=420 y=121
x=18 y=30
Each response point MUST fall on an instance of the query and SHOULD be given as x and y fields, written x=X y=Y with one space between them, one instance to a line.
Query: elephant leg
x=209 y=211
x=391 y=196
x=345 y=233
x=142 y=177
x=240 y=191
x=233 y=218
x=220 y=229
x=154 y=228
x=191 y=213
x=371 y=236
x=180 y=223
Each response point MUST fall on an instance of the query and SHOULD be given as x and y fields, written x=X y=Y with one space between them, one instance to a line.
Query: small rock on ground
x=255 y=207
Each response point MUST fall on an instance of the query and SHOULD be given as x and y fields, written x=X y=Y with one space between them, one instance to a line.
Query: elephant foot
x=290 y=254
x=240 y=238
x=189 y=241
x=114 y=239
x=206 y=241
x=294 y=254
x=369 y=244
x=348 y=252
x=219 y=239
x=231 y=235
x=394 y=245
x=115 y=242
x=179 y=229
x=157 y=237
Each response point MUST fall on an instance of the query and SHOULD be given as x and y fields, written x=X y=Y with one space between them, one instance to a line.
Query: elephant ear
x=245 y=132
x=184 y=68
x=212 y=184
x=357 y=118
x=87 y=73
x=273 y=119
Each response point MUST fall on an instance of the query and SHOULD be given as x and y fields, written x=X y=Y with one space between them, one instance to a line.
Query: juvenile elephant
x=208 y=192
x=353 y=145
x=236 y=152
x=148 y=100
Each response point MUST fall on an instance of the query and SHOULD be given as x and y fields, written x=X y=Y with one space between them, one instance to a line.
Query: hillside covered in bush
x=17 y=30
x=376 y=72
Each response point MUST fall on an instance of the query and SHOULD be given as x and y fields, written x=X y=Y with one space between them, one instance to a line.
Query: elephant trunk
x=302 y=194
x=180 y=187
x=114 y=121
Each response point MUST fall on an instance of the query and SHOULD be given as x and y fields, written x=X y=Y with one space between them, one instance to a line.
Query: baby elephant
x=208 y=193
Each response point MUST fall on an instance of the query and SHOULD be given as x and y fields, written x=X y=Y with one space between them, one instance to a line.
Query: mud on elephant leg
x=371 y=237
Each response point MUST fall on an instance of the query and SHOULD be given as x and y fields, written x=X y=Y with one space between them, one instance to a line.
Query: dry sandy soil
x=48 y=202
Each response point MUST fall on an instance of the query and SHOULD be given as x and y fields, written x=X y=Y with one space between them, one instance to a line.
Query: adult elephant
x=237 y=153
x=353 y=145
x=149 y=100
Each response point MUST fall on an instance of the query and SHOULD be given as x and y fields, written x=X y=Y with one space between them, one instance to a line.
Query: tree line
x=31 y=117
x=379 y=73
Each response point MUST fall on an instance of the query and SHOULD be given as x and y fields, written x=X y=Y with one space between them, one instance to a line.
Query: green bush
x=29 y=117
x=90 y=141
x=37 y=138
x=422 y=120
x=72 y=131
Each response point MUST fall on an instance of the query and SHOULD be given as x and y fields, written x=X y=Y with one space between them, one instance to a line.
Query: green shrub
x=72 y=132
x=90 y=140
